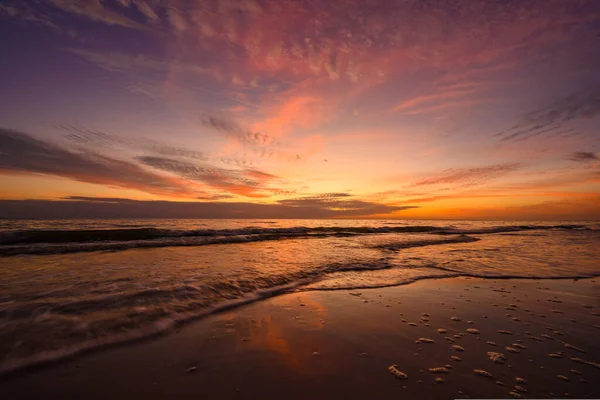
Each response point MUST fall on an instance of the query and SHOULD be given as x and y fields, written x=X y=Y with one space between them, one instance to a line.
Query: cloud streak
x=551 y=120
x=84 y=207
x=466 y=177
x=444 y=98
x=24 y=154
x=243 y=182
x=583 y=156
x=95 y=10
x=231 y=129
x=94 y=138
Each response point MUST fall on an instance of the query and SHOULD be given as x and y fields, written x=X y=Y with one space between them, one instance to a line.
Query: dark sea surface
x=71 y=285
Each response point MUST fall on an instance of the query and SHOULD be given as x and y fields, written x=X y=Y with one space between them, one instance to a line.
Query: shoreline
x=321 y=322
x=162 y=328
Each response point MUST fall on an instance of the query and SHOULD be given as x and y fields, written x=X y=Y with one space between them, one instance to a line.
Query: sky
x=424 y=109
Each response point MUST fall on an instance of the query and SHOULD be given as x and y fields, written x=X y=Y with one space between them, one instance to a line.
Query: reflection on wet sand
x=275 y=332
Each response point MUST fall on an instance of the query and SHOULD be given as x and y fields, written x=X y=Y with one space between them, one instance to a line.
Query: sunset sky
x=300 y=108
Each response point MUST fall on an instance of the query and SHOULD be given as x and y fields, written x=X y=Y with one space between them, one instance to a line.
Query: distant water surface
x=71 y=285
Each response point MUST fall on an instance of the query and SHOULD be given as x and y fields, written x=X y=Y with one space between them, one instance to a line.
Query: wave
x=512 y=228
x=462 y=238
x=92 y=235
x=156 y=328
x=76 y=247
x=44 y=242
x=448 y=274
x=166 y=324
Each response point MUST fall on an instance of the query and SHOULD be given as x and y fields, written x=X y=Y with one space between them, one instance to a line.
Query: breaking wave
x=41 y=242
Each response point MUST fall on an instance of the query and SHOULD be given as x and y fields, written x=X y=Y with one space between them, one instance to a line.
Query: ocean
x=67 y=286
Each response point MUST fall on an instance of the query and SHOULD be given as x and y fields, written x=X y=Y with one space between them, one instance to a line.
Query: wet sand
x=448 y=338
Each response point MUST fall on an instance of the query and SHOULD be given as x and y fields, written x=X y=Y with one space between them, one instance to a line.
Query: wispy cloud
x=121 y=61
x=91 y=207
x=231 y=129
x=215 y=197
x=243 y=182
x=466 y=103
x=95 y=10
x=435 y=100
x=23 y=154
x=272 y=38
x=94 y=138
x=555 y=118
x=584 y=156
x=144 y=7
x=26 y=12
x=183 y=172
x=469 y=176
x=328 y=200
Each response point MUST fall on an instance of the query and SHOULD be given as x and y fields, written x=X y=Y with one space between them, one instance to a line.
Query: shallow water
x=67 y=286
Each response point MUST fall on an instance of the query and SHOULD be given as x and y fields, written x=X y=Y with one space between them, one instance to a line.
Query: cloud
x=443 y=106
x=116 y=61
x=469 y=176
x=477 y=74
x=347 y=40
x=26 y=12
x=98 y=199
x=456 y=196
x=146 y=9
x=243 y=182
x=331 y=200
x=580 y=105
x=215 y=197
x=343 y=40
x=90 y=207
x=23 y=154
x=94 y=138
x=95 y=10
x=294 y=61
x=333 y=195
x=529 y=133
x=176 y=19
x=252 y=173
x=231 y=129
x=296 y=111
x=180 y=168
x=434 y=100
x=260 y=144
x=583 y=156
x=9 y=11
x=340 y=202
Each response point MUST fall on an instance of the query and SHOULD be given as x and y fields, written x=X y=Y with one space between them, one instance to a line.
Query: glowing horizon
x=307 y=108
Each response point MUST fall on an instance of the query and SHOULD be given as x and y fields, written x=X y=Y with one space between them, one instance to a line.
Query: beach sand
x=341 y=344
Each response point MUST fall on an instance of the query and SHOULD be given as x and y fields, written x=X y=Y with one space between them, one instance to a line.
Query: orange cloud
x=302 y=111
x=435 y=98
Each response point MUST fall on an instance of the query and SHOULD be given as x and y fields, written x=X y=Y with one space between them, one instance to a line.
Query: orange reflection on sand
x=274 y=332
